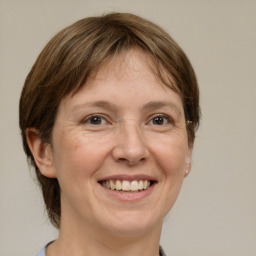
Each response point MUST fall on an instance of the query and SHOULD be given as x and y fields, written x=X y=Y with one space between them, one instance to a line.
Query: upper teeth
x=125 y=185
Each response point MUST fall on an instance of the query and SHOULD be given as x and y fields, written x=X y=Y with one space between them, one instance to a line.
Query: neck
x=81 y=240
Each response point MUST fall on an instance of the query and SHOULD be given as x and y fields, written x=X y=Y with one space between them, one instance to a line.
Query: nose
x=130 y=144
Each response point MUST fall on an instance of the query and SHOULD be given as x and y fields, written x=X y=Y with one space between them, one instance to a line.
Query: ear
x=188 y=160
x=42 y=153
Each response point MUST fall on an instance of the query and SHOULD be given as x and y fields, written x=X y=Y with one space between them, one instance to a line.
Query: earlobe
x=186 y=173
x=42 y=153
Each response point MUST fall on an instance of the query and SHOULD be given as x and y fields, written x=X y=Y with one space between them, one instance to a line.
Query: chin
x=132 y=223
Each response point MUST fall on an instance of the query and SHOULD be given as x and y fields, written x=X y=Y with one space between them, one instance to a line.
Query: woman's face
x=120 y=149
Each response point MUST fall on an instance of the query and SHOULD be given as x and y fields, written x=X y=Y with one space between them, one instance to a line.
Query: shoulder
x=41 y=253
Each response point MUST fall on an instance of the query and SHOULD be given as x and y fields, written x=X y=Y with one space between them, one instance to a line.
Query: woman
x=108 y=115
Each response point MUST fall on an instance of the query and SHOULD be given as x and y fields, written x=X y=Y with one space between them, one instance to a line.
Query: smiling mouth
x=127 y=186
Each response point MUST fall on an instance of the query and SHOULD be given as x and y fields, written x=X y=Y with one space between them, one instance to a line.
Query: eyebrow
x=110 y=106
x=159 y=104
x=100 y=104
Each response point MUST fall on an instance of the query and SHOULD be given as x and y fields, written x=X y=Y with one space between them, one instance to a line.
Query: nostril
x=134 y=161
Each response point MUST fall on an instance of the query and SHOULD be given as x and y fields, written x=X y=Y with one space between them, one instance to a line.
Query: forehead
x=125 y=65
x=128 y=80
x=129 y=65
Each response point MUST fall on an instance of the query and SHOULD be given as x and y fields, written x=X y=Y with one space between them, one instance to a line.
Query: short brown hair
x=73 y=54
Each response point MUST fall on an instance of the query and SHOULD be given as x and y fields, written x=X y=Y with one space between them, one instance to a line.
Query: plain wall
x=215 y=214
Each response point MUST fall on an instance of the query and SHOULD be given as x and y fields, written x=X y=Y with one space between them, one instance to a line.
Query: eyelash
x=168 y=119
x=89 y=118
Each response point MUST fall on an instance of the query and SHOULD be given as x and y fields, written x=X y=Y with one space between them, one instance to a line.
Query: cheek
x=170 y=154
x=79 y=155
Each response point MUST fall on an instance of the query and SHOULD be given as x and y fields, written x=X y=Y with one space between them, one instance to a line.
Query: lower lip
x=129 y=196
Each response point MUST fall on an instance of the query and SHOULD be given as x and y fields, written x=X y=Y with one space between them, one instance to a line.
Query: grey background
x=215 y=214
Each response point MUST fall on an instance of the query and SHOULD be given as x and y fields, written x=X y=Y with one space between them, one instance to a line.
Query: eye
x=95 y=120
x=160 y=120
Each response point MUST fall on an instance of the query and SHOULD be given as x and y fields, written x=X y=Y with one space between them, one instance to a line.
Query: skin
x=128 y=139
